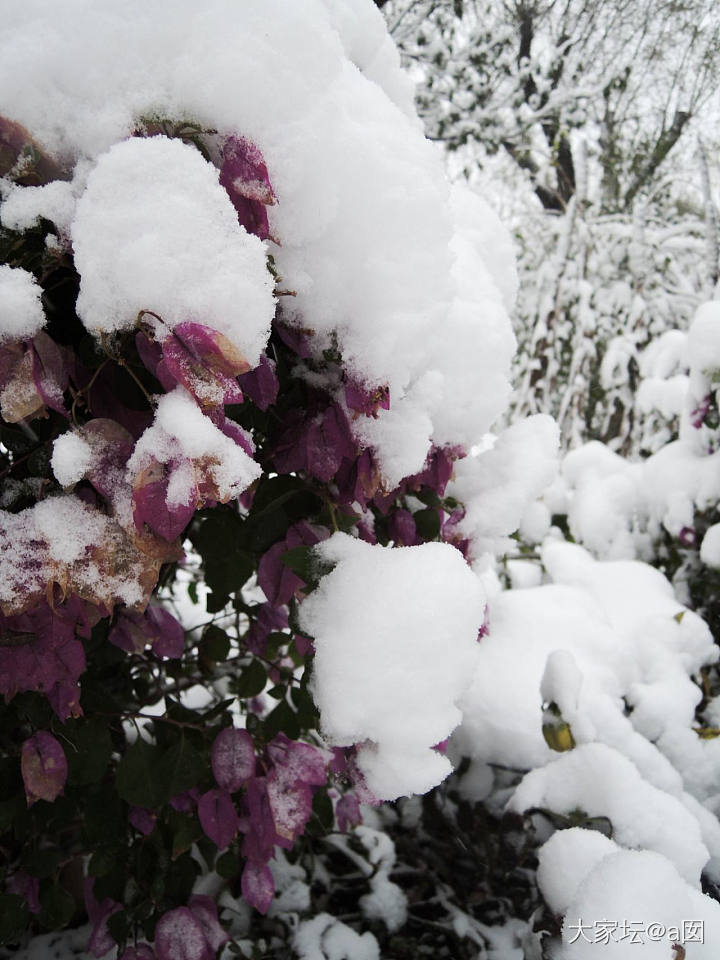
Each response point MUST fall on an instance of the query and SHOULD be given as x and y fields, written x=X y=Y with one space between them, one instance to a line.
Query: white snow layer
x=21 y=312
x=154 y=230
x=364 y=218
x=395 y=637
x=71 y=458
x=498 y=485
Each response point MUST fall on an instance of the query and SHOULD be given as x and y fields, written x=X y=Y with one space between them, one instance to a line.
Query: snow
x=601 y=782
x=424 y=314
x=499 y=485
x=22 y=207
x=181 y=431
x=71 y=458
x=643 y=890
x=325 y=938
x=703 y=343
x=21 y=312
x=395 y=637
x=710 y=546
x=565 y=860
x=152 y=220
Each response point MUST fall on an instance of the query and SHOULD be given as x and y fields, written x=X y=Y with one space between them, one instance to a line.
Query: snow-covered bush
x=241 y=314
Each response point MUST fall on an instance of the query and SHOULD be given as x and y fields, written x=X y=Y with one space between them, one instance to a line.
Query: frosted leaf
x=205 y=910
x=258 y=886
x=232 y=758
x=179 y=935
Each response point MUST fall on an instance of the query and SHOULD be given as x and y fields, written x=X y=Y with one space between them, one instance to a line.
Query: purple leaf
x=233 y=758
x=318 y=444
x=296 y=338
x=258 y=886
x=218 y=817
x=49 y=372
x=275 y=578
x=14 y=141
x=43 y=766
x=303 y=645
x=261 y=384
x=437 y=471
x=23 y=885
x=267 y=619
x=185 y=802
x=46 y=657
x=358 y=479
x=232 y=430
x=128 y=632
x=150 y=505
x=143 y=951
x=291 y=805
x=205 y=362
x=143 y=820
x=100 y=941
x=297 y=762
x=112 y=446
x=347 y=812
x=167 y=634
x=259 y=839
x=366 y=400
x=484 y=630
x=179 y=935
x=245 y=177
x=402 y=529
x=698 y=415
x=204 y=909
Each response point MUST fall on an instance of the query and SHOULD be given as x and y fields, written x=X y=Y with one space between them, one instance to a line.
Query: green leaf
x=227 y=865
x=305 y=562
x=427 y=523
x=215 y=602
x=181 y=878
x=187 y=832
x=180 y=768
x=14 y=916
x=42 y=863
x=282 y=719
x=118 y=926
x=103 y=861
x=251 y=681
x=137 y=778
x=57 y=908
x=229 y=572
x=103 y=814
x=323 y=809
x=89 y=752
x=215 y=644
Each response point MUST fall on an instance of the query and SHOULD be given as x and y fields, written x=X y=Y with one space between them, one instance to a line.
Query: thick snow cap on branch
x=395 y=638
x=413 y=286
x=155 y=230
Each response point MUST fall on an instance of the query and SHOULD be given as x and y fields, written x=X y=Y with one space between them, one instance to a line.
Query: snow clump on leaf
x=395 y=637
